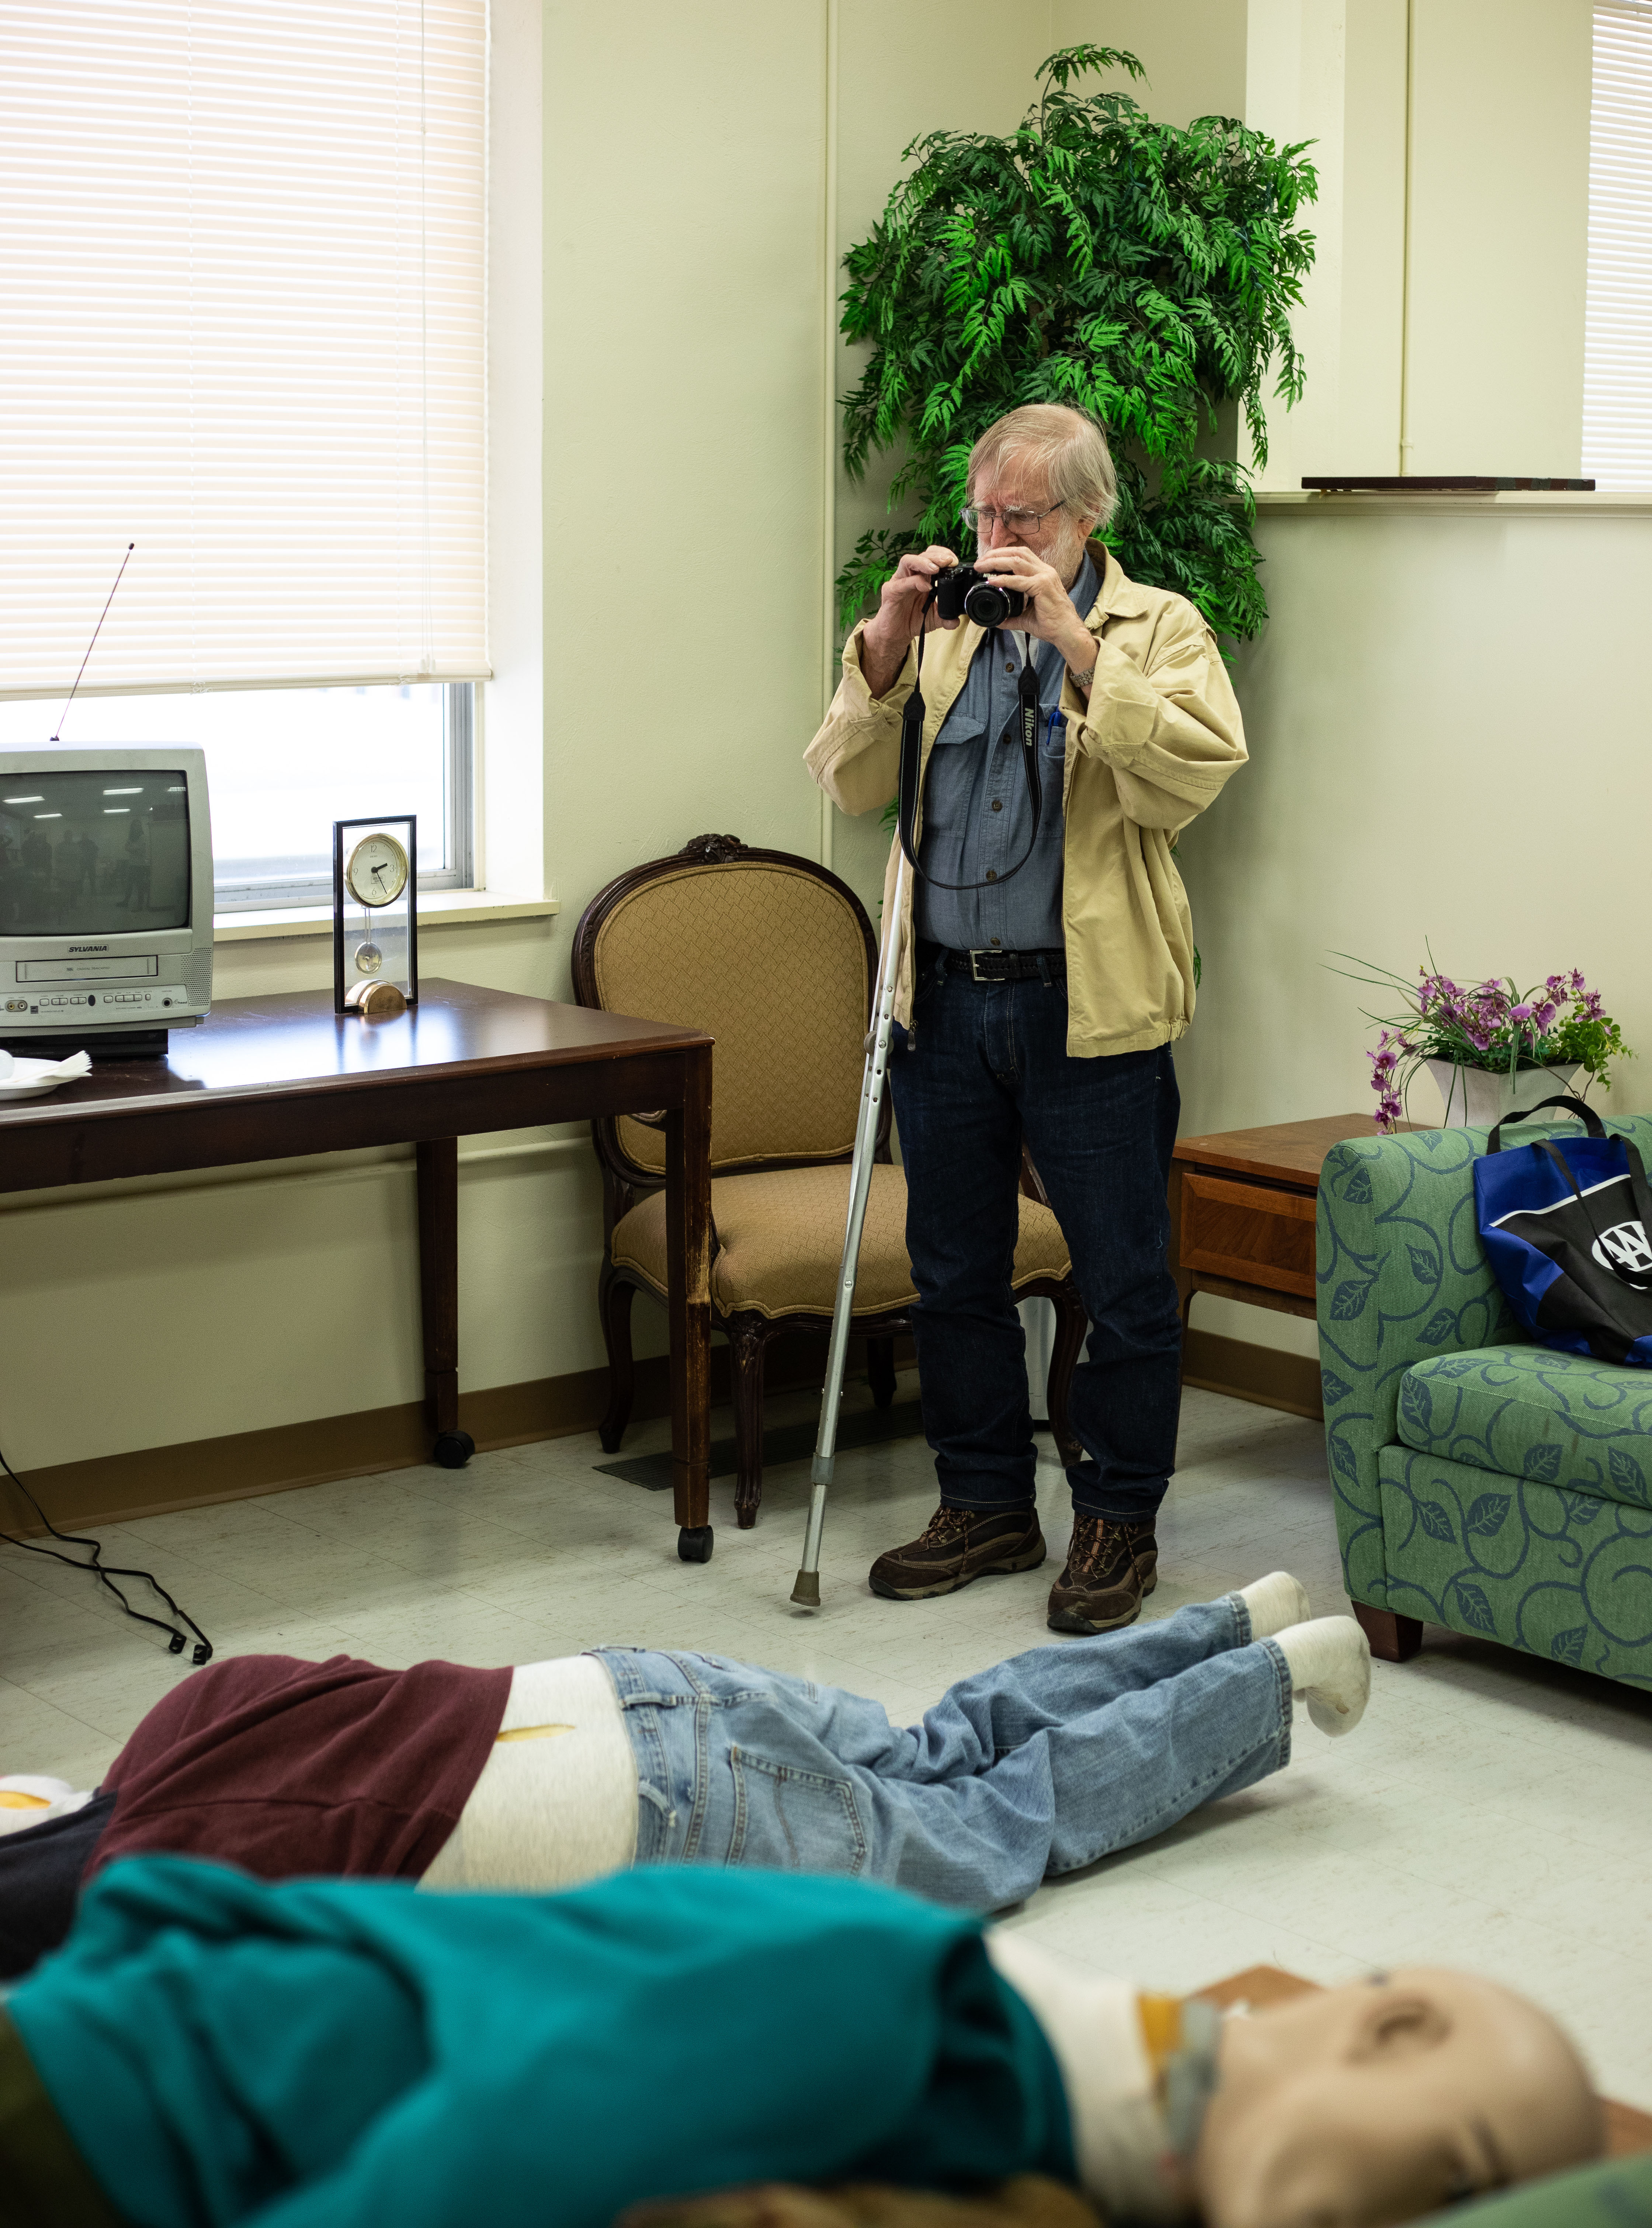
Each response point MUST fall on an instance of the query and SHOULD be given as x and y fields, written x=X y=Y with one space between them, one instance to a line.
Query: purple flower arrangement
x=1492 y=1025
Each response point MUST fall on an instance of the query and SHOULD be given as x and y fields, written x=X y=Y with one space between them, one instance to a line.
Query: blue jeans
x=1035 y=1767
x=986 y=1064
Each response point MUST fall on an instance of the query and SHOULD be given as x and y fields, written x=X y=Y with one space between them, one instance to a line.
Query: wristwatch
x=1082 y=681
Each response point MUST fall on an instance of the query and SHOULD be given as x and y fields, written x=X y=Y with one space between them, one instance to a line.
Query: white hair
x=1071 y=447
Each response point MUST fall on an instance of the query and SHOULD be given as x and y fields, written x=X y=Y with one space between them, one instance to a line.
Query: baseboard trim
x=1261 y=1374
x=153 y=1481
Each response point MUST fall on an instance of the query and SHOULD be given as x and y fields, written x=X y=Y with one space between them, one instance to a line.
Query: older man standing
x=1047 y=970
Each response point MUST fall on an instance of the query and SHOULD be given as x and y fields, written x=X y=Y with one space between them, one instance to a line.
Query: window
x=1617 y=345
x=283 y=764
x=244 y=270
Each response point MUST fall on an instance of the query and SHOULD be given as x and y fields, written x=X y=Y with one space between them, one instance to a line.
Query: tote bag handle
x=1585 y=1112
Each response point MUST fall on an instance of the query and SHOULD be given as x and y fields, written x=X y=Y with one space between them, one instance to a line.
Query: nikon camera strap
x=909 y=793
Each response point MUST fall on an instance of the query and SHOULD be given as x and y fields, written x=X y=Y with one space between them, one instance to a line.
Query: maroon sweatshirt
x=283 y=1767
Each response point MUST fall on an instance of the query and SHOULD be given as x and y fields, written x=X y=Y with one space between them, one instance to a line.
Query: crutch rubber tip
x=806 y=1592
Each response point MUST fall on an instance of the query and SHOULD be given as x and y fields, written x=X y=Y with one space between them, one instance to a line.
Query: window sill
x=441 y=909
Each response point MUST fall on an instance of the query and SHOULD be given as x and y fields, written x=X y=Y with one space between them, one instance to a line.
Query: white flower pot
x=1483 y=1095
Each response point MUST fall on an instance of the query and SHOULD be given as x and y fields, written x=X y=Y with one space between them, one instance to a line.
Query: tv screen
x=93 y=853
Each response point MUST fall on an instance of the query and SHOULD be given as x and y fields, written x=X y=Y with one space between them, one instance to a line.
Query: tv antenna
x=96 y=631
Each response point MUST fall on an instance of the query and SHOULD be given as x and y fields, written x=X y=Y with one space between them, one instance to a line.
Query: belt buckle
x=975 y=959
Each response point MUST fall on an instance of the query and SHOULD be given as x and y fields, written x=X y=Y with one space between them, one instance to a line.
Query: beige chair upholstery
x=770 y=961
x=780 y=1241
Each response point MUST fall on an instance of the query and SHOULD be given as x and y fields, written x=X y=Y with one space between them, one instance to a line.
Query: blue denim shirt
x=976 y=812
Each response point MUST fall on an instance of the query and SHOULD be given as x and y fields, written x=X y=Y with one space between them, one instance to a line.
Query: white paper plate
x=33 y=1079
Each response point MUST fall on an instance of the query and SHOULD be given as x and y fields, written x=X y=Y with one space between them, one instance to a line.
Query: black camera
x=962 y=593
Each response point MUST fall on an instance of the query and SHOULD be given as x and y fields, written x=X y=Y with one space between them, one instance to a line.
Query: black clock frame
x=386 y=820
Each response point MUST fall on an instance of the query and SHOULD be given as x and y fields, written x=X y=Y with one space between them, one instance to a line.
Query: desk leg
x=438 y=1292
x=688 y=1243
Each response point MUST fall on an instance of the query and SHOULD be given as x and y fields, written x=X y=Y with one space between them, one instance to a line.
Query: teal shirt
x=345 y=2054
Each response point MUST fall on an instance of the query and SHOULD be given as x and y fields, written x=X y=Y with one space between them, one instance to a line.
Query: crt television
x=105 y=899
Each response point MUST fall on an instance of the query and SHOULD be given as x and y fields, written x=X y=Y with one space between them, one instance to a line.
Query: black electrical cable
x=176 y=1642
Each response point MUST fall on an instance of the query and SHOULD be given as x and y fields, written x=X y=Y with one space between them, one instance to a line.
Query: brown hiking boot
x=1109 y=1568
x=957 y=1546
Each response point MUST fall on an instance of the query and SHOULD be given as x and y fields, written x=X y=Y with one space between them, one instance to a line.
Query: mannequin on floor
x=555 y=1773
x=328 y=2054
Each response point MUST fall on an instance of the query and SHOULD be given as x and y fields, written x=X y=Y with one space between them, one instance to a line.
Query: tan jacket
x=1160 y=736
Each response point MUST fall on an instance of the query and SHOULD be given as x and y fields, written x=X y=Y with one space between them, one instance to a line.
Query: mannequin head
x=1379 y=2103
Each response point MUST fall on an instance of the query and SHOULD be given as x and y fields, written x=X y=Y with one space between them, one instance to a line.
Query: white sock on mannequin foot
x=1329 y=1661
x=1274 y=1603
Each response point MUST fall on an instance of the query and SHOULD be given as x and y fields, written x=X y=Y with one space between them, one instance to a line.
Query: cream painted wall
x=1437 y=758
x=684 y=389
x=1193 y=52
x=1499 y=236
x=1335 y=75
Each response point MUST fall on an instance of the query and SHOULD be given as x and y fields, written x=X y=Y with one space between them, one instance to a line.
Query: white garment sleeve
x=1092 y=2024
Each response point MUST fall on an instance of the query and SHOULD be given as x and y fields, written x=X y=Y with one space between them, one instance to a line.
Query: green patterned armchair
x=1480 y=1482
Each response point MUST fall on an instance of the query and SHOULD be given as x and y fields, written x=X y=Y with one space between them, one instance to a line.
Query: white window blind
x=242 y=298
x=1617 y=345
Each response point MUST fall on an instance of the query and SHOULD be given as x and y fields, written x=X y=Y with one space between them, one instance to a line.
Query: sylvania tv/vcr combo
x=105 y=899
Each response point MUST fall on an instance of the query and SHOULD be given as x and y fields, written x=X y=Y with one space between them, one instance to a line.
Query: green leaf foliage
x=1141 y=272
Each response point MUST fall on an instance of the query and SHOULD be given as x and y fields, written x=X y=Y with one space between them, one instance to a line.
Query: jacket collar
x=1119 y=597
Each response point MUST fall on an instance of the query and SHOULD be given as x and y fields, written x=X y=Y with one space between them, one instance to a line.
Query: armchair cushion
x=780 y=1241
x=1529 y=1411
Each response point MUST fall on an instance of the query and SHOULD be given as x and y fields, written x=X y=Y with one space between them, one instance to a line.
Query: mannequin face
x=1376 y=2103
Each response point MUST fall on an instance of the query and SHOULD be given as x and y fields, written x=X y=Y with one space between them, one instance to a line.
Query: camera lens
x=989 y=606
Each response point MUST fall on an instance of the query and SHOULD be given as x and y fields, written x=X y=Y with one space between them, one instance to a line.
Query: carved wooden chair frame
x=624 y=1181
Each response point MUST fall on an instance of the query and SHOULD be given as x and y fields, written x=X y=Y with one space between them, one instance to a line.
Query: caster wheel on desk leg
x=453 y=1449
x=694 y=1543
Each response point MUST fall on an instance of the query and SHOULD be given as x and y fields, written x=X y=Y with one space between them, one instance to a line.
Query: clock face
x=377 y=871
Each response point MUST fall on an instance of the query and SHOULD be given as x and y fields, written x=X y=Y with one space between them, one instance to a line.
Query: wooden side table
x=1242 y=1206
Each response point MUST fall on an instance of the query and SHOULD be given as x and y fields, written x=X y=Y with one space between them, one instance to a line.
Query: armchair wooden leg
x=748 y=1334
x=880 y=1371
x=1065 y=1349
x=614 y=1293
x=1393 y=1638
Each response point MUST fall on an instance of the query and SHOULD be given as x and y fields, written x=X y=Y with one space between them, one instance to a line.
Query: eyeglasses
x=1018 y=521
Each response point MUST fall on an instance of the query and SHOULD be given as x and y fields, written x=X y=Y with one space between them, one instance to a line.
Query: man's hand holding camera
x=899 y=618
x=1041 y=605
x=1048 y=612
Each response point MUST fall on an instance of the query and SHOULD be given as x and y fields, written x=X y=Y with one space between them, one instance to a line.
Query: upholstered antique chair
x=776 y=958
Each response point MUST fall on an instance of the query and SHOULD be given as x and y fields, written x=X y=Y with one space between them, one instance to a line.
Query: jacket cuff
x=859 y=701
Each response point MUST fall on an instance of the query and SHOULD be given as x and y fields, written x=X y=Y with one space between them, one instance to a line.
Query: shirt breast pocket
x=951 y=770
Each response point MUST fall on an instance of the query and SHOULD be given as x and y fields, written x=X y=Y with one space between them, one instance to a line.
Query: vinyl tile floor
x=1491 y=1811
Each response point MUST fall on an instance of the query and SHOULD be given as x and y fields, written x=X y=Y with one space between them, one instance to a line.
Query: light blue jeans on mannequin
x=1036 y=1766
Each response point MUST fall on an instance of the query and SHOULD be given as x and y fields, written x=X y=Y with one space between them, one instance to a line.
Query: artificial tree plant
x=1142 y=271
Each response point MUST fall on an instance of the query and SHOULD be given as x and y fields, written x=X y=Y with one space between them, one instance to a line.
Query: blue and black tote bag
x=1565 y=1226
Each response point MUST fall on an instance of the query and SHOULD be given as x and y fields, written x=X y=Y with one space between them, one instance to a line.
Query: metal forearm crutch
x=806 y=1592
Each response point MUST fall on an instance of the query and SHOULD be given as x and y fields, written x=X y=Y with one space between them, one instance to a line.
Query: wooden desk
x=1242 y=1206
x=270 y=1078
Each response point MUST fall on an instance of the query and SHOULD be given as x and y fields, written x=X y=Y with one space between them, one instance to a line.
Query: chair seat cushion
x=1529 y=1412
x=780 y=1241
